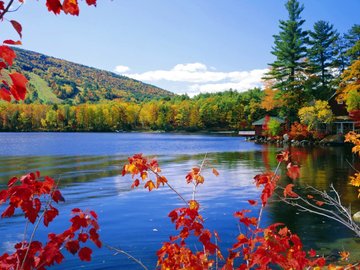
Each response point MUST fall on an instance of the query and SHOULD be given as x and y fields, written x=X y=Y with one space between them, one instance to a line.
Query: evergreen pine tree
x=290 y=51
x=353 y=42
x=342 y=60
x=322 y=55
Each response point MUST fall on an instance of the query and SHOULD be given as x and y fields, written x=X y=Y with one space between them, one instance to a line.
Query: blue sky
x=185 y=46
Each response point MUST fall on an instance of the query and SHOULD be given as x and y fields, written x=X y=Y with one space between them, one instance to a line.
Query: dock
x=247 y=133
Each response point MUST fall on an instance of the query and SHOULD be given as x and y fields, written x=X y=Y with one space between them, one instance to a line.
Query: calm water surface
x=89 y=167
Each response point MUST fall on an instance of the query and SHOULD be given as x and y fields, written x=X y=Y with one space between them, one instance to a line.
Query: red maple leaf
x=83 y=237
x=312 y=253
x=173 y=216
x=215 y=172
x=319 y=203
x=12 y=42
x=293 y=171
x=12 y=181
x=91 y=2
x=136 y=183
x=253 y=202
x=54 y=6
x=78 y=221
x=9 y=211
x=283 y=156
x=94 y=215
x=7 y=54
x=289 y=192
x=17 y=26
x=49 y=215
x=85 y=254
x=56 y=196
x=72 y=246
x=3 y=196
x=71 y=7
x=94 y=236
x=5 y=94
x=18 y=89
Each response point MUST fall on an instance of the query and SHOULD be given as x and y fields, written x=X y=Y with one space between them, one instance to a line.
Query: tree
x=290 y=51
x=322 y=55
x=274 y=127
x=349 y=90
x=353 y=42
x=271 y=101
x=312 y=116
x=342 y=61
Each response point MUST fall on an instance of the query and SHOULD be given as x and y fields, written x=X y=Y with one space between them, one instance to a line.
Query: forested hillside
x=54 y=80
x=228 y=110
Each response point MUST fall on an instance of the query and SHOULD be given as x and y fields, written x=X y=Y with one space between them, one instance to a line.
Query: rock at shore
x=333 y=139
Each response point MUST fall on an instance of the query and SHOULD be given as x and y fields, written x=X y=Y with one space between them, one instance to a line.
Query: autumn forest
x=284 y=199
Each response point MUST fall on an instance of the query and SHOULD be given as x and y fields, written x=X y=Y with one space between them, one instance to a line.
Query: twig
x=127 y=254
x=173 y=189
x=200 y=169
x=341 y=215
x=352 y=167
x=262 y=207
x=6 y=9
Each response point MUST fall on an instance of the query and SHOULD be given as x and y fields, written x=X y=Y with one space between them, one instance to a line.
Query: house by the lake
x=342 y=123
x=260 y=125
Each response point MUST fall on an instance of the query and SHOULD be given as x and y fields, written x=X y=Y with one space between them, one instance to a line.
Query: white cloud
x=121 y=69
x=198 y=78
x=192 y=67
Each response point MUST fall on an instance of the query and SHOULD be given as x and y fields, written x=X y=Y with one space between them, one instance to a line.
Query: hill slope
x=54 y=80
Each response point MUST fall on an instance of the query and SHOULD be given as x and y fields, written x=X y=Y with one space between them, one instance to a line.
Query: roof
x=261 y=121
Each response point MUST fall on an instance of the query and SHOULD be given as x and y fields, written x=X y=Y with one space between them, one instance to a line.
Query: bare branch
x=127 y=254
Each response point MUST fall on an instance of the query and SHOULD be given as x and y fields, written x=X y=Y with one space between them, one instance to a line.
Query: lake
x=88 y=166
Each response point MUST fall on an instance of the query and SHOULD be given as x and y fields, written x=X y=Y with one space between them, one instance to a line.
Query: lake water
x=89 y=166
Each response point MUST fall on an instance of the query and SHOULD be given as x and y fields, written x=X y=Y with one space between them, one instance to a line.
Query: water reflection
x=128 y=217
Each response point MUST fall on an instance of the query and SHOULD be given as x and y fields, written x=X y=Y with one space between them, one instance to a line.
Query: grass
x=44 y=91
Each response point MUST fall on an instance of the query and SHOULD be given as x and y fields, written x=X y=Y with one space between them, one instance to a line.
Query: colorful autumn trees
x=222 y=111
x=349 y=90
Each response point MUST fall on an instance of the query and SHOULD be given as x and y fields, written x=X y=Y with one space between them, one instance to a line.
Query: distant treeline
x=222 y=111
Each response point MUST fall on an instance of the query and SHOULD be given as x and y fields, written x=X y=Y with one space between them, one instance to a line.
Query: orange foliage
x=299 y=131
x=355 y=139
x=270 y=100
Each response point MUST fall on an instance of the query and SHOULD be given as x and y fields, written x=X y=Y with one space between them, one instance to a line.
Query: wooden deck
x=247 y=133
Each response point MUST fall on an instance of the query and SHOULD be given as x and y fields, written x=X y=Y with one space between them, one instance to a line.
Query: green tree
x=342 y=60
x=290 y=51
x=322 y=55
x=274 y=127
x=353 y=42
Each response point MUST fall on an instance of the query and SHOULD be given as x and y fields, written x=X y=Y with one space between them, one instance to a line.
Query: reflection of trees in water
x=320 y=167
x=69 y=169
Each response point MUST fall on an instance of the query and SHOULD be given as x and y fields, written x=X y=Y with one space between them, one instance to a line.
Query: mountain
x=53 y=80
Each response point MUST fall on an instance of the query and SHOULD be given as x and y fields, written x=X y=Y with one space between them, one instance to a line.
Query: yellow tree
x=349 y=90
x=312 y=116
